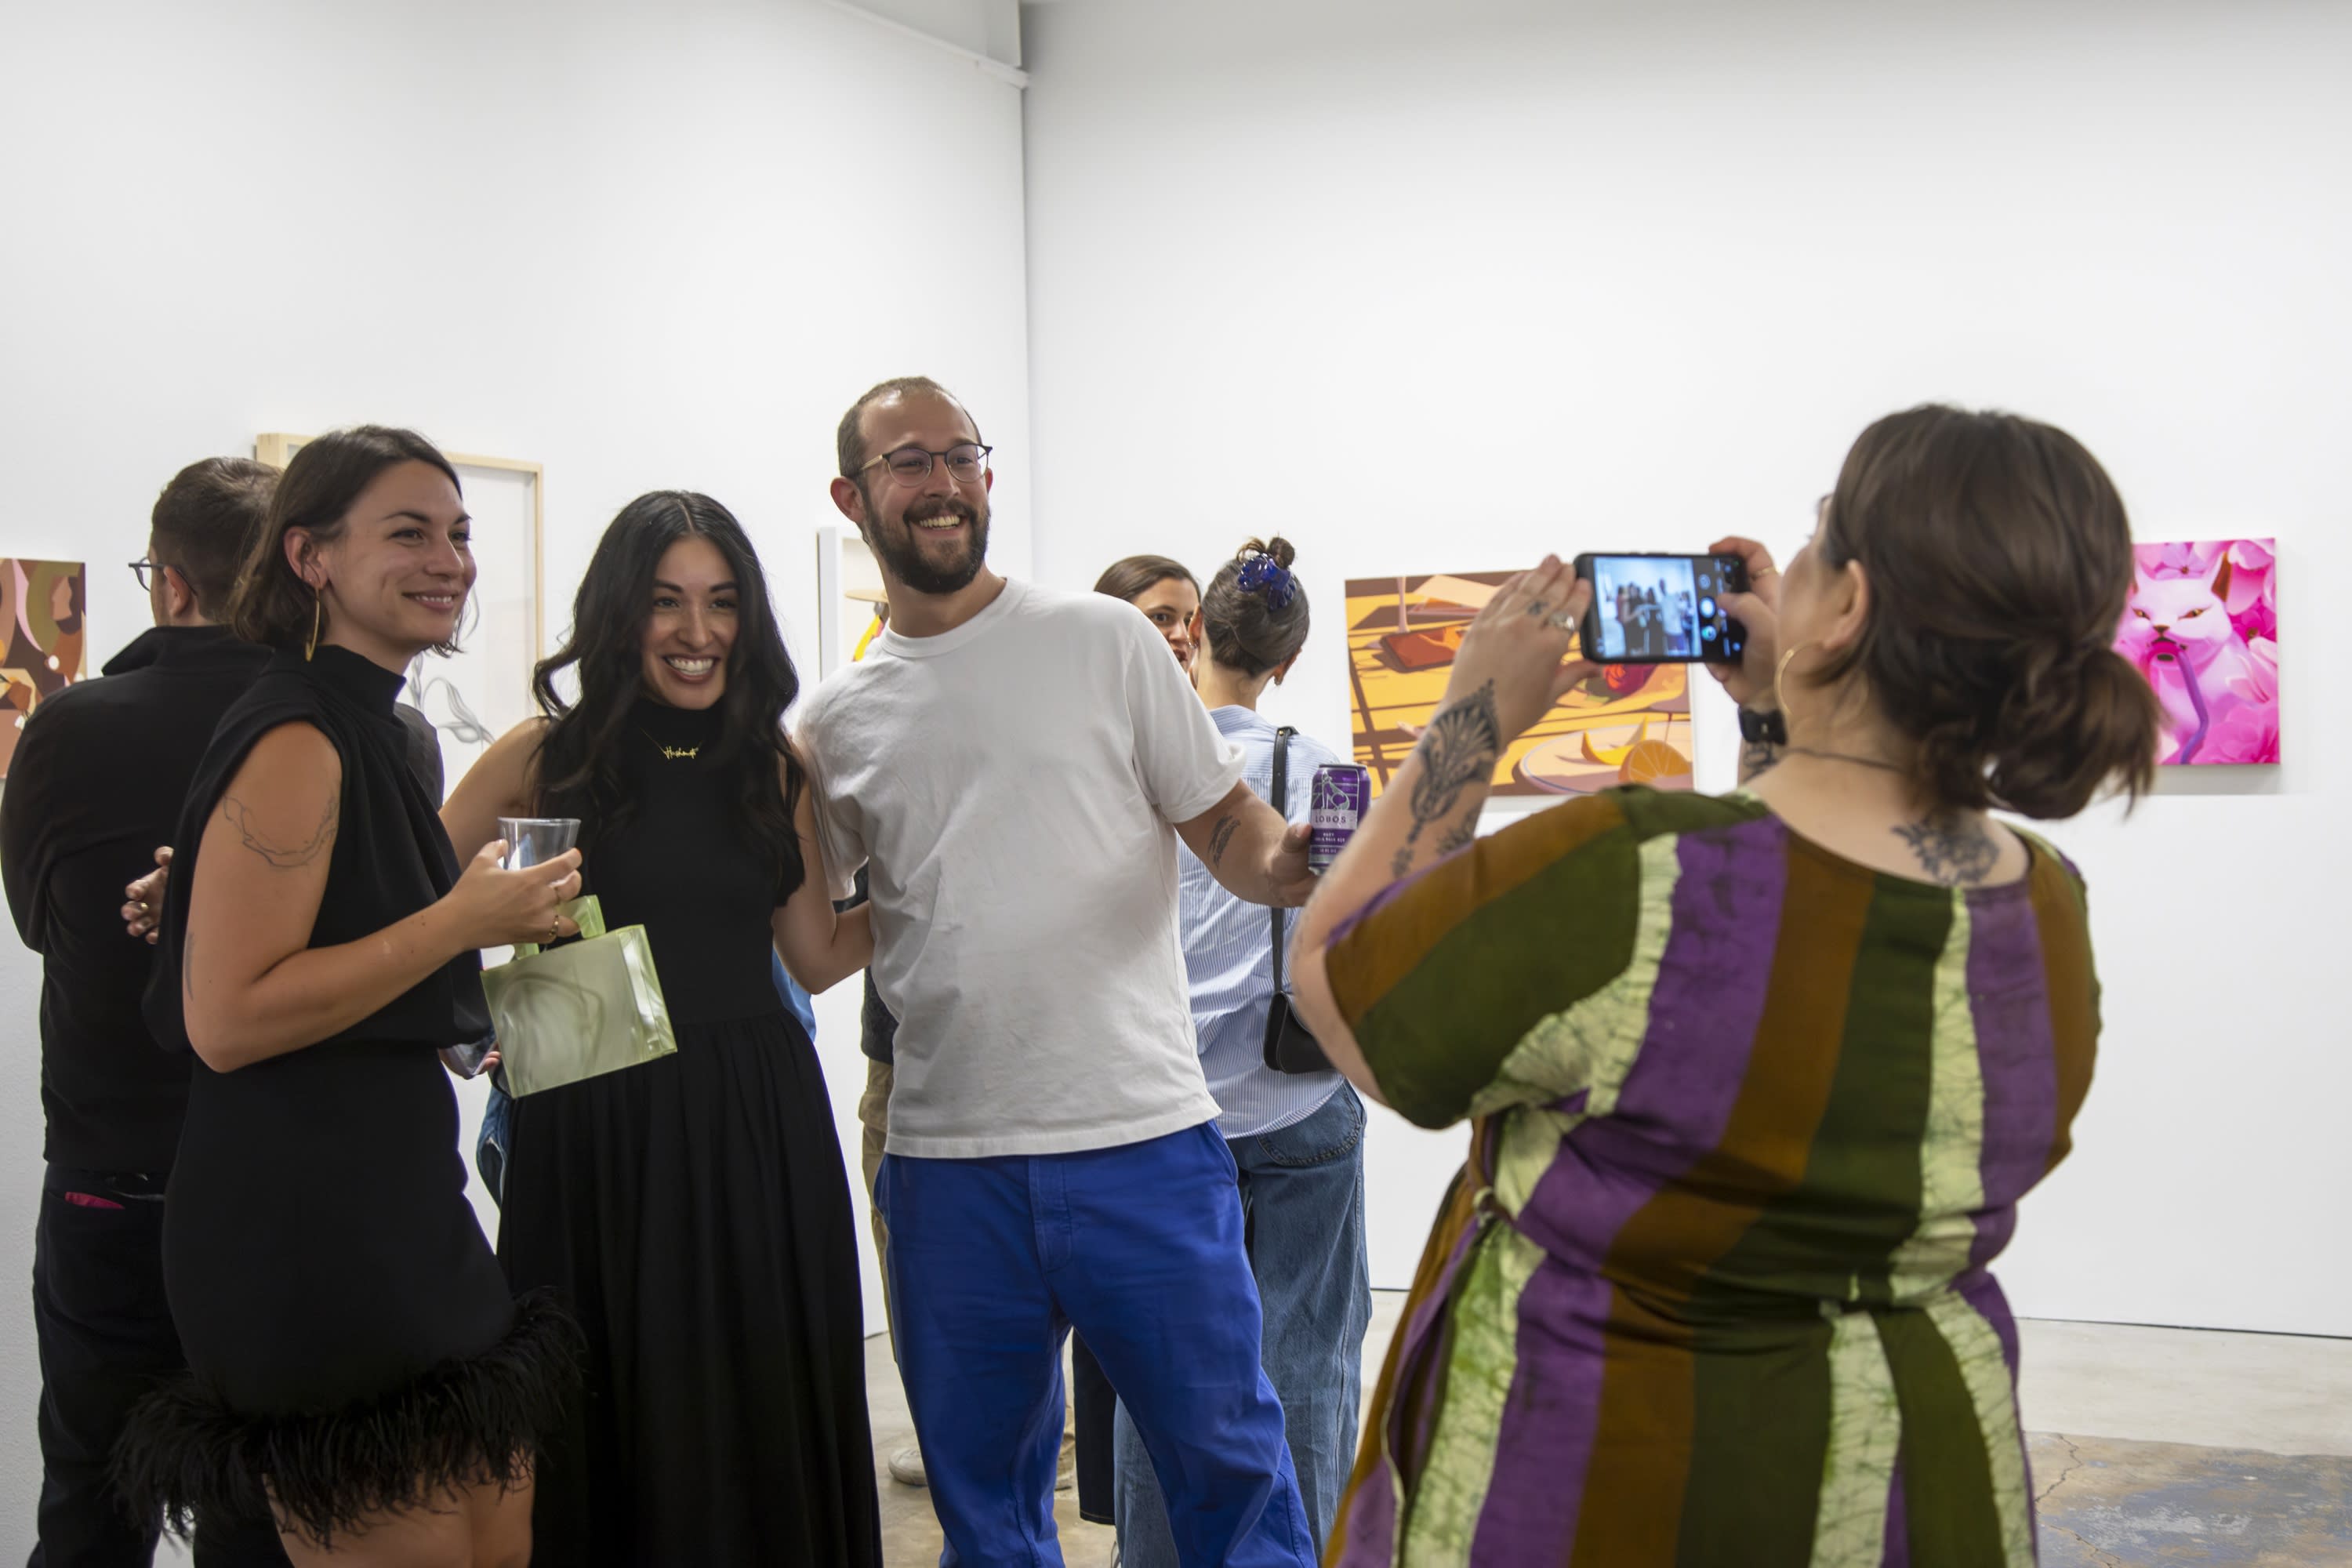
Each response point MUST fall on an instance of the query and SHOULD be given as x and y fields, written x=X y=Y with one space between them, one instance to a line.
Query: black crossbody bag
x=1289 y=1049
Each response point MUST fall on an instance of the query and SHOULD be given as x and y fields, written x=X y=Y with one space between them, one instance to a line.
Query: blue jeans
x=992 y=1260
x=1303 y=1188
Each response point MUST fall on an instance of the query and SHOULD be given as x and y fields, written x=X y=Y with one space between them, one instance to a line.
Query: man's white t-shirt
x=1009 y=786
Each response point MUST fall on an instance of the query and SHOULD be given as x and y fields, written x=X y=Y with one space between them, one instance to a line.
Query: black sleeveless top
x=391 y=857
x=681 y=866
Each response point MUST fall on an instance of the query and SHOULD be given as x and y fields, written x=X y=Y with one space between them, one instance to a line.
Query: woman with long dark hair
x=356 y=1361
x=692 y=1211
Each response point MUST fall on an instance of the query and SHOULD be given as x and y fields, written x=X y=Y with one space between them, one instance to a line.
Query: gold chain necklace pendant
x=674 y=754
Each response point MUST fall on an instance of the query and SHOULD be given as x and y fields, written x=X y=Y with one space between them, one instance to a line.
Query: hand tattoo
x=1536 y=611
x=1220 y=835
x=1952 y=850
x=283 y=858
x=1458 y=749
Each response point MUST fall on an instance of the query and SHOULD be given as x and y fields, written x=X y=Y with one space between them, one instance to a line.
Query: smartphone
x=1662 y=609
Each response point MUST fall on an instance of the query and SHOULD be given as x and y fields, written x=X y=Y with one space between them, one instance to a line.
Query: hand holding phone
x=1512 y=668
x=1663 y=609
x=1758 y=611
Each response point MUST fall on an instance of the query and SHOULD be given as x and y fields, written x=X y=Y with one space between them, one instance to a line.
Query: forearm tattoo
x=1457 y=750
x=283 y=857
x=1952 y=850
x=1221 y=836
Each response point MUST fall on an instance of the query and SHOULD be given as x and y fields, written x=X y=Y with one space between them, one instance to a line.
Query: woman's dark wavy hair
x=580 y=757
x=269 y=601
x=1999 y=557
x=1133 y=576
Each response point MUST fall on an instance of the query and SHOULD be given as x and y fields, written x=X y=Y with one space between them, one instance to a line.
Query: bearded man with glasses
x=1013 y=767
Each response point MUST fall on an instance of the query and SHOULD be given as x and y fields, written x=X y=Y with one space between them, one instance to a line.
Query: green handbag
x=588 y=1007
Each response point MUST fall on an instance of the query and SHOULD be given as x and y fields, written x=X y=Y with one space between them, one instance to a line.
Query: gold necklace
x=674 y=754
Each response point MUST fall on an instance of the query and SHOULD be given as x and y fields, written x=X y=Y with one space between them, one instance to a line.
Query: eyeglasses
x=140 y=569
x=966 y=461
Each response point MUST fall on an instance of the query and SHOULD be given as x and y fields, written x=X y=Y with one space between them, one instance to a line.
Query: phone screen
x=1662 y=609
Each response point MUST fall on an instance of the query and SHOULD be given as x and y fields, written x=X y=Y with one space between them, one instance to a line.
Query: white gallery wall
x=1443 y=286
x=645 y=246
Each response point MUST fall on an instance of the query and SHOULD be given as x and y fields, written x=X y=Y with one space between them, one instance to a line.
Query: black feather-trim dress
x=352 y=1346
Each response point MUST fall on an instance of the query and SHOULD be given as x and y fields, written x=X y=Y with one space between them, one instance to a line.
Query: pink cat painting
x=2202 y=625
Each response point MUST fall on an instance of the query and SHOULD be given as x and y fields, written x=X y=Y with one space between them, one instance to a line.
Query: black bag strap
x=1282 y=807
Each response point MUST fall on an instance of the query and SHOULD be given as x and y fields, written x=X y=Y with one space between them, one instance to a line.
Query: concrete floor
x=2151 y=1446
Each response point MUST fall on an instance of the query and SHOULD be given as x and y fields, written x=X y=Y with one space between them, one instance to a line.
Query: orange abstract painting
x=42 y=605
x=1630 y=724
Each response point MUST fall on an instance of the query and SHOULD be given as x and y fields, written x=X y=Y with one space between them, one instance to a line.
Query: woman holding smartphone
x=692 y=1211
x=357 y=1362
x=1758 y=1079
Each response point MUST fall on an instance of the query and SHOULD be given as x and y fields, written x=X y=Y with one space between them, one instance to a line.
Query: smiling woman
x=385 y=504
x=356 y=1361
x=711 y=1179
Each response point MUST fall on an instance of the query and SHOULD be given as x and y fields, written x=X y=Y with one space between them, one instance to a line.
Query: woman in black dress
x=355 y=1357
x=692 y=1211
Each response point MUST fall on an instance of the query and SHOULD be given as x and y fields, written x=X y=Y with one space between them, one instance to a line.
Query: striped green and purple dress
x=1752 y=1121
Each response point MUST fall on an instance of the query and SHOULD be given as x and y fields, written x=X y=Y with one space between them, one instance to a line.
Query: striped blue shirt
x=1229 y=958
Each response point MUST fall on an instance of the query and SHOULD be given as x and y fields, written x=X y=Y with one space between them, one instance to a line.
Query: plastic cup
x=531 y=839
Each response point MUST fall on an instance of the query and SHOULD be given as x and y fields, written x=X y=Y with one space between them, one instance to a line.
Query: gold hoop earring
x=317 y=620
x=1779 y=685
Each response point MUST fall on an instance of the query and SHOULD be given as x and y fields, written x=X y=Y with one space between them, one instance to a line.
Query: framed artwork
x=477 y=694
x=43 y=603
x=2202 y=625
x=850 y=603
x=1630 y=724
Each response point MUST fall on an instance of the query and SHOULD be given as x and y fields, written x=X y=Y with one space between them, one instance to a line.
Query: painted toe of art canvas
x=1630 y=724
x=2202 y=625
x=41 y=605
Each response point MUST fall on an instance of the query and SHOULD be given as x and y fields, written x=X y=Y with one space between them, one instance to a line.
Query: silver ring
x=1564 y=621
x=555 y=928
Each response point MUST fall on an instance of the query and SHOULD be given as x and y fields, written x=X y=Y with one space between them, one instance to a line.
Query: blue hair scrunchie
x=1262 y=573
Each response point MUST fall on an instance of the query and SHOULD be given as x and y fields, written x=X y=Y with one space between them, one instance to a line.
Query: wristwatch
x=1763 y=727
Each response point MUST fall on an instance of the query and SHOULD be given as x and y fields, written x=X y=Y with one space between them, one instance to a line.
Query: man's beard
x=901 y=551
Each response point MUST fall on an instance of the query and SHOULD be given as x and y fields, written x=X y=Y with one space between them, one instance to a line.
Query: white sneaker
x=907 y=1467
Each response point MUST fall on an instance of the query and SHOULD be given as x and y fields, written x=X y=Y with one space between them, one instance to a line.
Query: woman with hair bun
x=1760 y=1078
x=1296 y=1140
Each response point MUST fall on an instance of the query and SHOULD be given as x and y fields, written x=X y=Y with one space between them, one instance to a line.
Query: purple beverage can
x=1342 y=792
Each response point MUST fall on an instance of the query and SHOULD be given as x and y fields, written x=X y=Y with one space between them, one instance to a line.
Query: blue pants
x=1302 y=1190
x=992 y=1260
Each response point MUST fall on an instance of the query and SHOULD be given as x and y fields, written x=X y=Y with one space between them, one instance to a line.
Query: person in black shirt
x=76 y=823
x=356 y=1364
